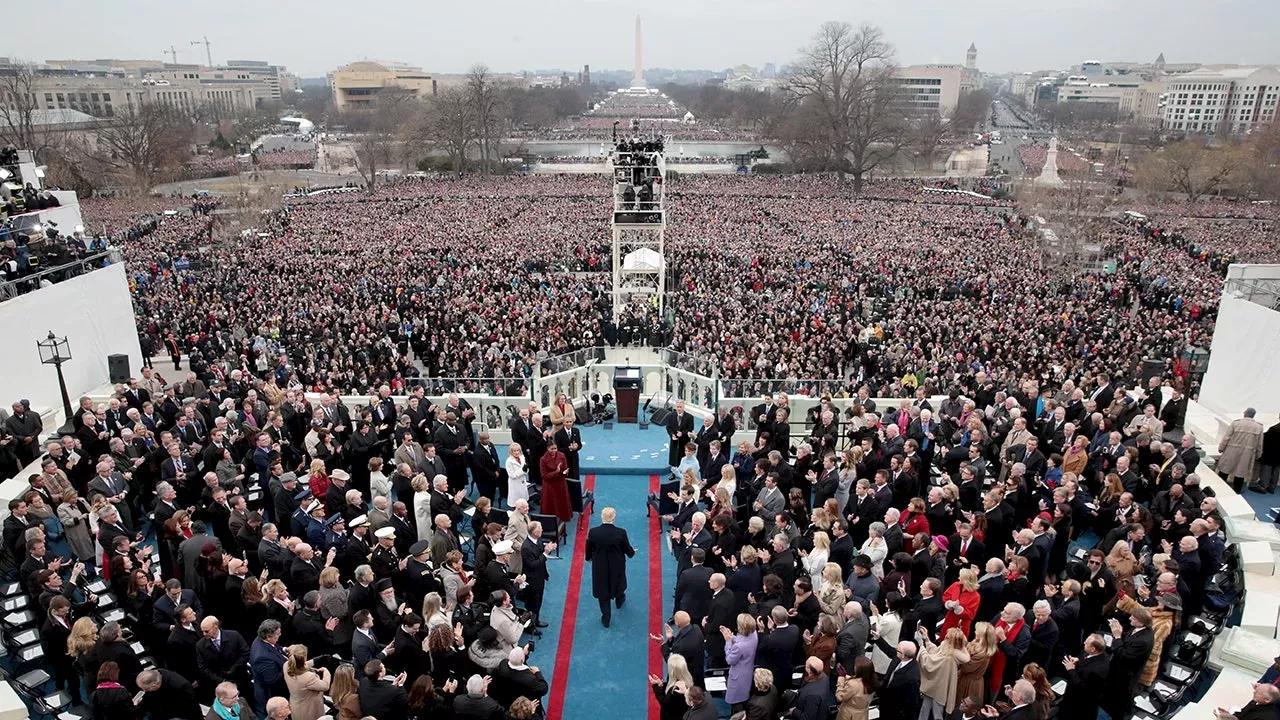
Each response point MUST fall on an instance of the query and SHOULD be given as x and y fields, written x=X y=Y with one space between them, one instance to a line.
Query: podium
x=626 y=392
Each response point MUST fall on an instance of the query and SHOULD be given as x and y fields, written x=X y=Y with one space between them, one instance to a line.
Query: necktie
x=217 y=644
x=964 y=547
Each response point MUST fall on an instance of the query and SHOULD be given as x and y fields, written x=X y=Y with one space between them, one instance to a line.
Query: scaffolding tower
x=639 y=225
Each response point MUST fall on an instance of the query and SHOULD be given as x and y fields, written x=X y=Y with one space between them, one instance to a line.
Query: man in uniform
x=357 y=551
x=385 y=561
x=335 y=535
x=419 y=580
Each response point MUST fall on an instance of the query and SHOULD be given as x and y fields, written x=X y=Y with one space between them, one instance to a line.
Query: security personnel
x=335 y=534
x=357 y=551
x=420 y=578
x=301 y=519
x=317 y=531
x=385 y=560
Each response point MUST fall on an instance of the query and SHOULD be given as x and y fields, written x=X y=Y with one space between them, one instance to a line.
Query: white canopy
x=642 y=259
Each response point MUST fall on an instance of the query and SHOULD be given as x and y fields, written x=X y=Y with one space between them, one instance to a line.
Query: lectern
x=626 y=390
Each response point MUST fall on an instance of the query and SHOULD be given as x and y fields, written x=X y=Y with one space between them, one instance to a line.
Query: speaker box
x=660 y=416
x=1150 y=369
x=118 y=368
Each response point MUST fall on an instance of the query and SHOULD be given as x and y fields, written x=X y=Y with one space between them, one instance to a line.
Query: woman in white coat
x=888 y=627
x=422 y=505
x=517 y=475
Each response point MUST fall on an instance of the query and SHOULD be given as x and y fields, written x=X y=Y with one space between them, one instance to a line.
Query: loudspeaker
x=660 y=416
x=118 y=368
x=1150 y=369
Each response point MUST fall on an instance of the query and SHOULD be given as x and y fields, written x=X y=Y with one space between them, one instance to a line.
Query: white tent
x=642 y=259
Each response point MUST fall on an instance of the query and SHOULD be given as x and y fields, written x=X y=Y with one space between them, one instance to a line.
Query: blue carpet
x=608 y=666
x=1264 y=505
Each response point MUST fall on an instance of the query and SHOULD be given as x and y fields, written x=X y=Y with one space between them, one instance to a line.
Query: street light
x=55 y=351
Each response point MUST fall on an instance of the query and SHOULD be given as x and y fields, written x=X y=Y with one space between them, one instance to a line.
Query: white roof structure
x=642 y=259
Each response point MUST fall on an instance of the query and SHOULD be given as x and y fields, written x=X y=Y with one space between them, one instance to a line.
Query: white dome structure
x=642 y=259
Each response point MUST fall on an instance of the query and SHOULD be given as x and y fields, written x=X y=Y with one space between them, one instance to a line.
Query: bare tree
x=926 y=133
x=484 y=101
x=1264 y=161
x=20 y=114
x=848 y=75
x=140 y=143
x=377 y=130
x=1191 y=167
x=448 y=125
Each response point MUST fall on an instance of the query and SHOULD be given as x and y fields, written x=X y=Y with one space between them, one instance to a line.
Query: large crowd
x=785 y=278
x=384 y=558
x=315 y=559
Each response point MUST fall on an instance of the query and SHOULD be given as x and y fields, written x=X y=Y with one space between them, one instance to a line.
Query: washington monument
x=637 y=78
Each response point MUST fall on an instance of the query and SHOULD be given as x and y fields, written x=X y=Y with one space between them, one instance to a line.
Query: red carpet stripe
x=564 y=652
x=655 y=596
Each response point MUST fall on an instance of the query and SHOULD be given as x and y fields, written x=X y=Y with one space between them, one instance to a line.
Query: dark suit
x=485 y=469
x=721 y=613
x=693 y=593
x=900 y=695
x=364 y=649
x=1128 y=659
x=383 y=699
x=688 y=643
x=266 y=662
x=1085 y=685
x=777 y=651
x=680 y=431
x=222 y=664
x=607 y=550
x=535 y=573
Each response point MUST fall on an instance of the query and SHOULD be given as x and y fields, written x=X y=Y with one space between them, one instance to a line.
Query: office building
x=933 y=88
x=1135 y=98
x=358 y=84
x=1221 y=99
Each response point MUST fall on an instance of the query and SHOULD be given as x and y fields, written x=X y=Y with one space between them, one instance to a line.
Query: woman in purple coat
x=740 y=652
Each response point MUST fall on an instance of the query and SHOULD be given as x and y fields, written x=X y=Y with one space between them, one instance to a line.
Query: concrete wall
x=95 y=314
x=1244 y=360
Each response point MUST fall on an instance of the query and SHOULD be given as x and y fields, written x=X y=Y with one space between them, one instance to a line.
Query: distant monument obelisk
x=1049 y=174
x=637 y=78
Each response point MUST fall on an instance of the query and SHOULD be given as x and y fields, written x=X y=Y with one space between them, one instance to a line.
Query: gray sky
x=314 y=37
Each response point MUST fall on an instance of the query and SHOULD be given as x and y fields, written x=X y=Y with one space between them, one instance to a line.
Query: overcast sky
x=448 y=36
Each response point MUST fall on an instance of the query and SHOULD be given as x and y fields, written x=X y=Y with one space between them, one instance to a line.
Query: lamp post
x=55 y=351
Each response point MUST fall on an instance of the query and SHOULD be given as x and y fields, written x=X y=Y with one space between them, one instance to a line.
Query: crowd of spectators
x=256 y=551
x=914 y=555
x=776 y=277
x=1035 y=156
x=922 y=560
x=290 y=159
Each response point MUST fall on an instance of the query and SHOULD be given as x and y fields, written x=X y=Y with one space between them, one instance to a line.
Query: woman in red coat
x=913 y=520
x=555 y=490
x=961 y=600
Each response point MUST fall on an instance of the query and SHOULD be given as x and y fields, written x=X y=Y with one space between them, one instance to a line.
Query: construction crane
x=207 y=51
x=172 y=52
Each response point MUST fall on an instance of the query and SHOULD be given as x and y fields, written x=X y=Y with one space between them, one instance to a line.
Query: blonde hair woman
x=561 y=410
x=422 y=504
x=80 y=645
x=671 y=695
x=345 y=693
x=1122 y=563
x=816 y=559
x=830 y=591
x=307 y=685
x=969 y=679
x=939 y=673
x=517 y=475
x=432 y=611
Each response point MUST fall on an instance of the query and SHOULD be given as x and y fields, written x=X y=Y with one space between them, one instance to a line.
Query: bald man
x=686 y=640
